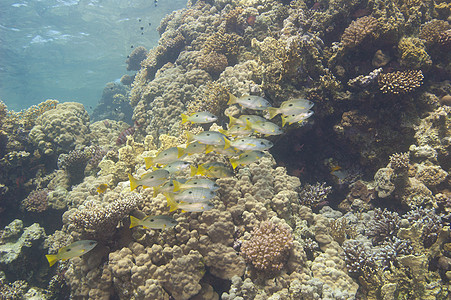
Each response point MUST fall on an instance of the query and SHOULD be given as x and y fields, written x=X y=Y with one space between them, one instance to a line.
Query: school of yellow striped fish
x=238 y=143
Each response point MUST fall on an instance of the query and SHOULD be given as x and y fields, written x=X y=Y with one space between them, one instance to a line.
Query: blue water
x=67 y=49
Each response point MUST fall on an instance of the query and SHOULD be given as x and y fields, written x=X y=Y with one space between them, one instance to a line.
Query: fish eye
x=249 y=98
x=196 y=115
x=165 y=154
x=190 y=192
x=207 y=134
x=151 y=220
x=68 y=249
x=171 y=184
x=290 y=104
x=209 y=204
x=151 y=176
x=246 y=155
x=194 y=182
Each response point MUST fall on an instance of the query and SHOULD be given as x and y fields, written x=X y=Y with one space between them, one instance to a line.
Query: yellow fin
x=284 y=121
x=193 y=170
x=180 y=152
x=184 y=118
x=52 y=258
x=226 y=143
x=156 y=191
x=133 y=182
x=134 y=222
x=232 y=99
x=224 y=132
x=149 y=162
x=232 y=121
x=201 y=170
x=273 y=111
x=177 y=184
x=234 y=162
x=248 y=125
x=189 y=137
x=209 y=148
x=171 y=202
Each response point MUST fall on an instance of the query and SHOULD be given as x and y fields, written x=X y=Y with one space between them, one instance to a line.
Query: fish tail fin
x=201 y=170
x=189 y=136
x=232 y=99
x=177 y=185
x=209 y=148
x=232 y=121
x=171 y=202
x=193 y=170
x=184 y=118
x=133 y=182
x=226 y=143
x=156 y=191
x=180 y=152
x=284 y=121
x=134 y=222
x=149 y=162
x=273 y=111
x=234 y=162
x=52 y=258
x=224 y=132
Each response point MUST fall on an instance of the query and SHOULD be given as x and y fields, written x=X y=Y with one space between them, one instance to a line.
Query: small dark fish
x=122 y=138
x=142 y=33
x=131 y=46
x=150 y=24
x=142 y=28
x=139 y=20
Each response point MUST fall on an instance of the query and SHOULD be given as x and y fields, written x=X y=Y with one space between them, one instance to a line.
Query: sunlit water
x=67 y=49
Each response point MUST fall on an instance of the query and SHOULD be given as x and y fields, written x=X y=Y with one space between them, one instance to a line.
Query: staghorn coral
x=358 y=30
x=399 y=162
x=314 y=196
x=400 y=82
x=268 y=248
x=135 y=58
x=36 y=201
x=384 y=226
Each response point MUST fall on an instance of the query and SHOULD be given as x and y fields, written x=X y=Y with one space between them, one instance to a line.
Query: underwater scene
x=252 y=150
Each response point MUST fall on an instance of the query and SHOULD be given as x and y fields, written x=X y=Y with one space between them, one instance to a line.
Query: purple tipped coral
x=269 y=247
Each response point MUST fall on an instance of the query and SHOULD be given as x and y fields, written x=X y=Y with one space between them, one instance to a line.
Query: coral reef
x=36 y=201
x=400 y=82
x=358 y=30
x=268 y=248
x=135 y=58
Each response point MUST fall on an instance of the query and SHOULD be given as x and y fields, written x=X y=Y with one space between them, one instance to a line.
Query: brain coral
x=60 y=129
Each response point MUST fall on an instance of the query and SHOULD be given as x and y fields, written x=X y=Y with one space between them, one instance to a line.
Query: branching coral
x=400 y=82
x=268 y=248
x=314 y=195
x=413 y=55
x=36 y=201
x=432 y=30
x=384 y=226
x=356 y=32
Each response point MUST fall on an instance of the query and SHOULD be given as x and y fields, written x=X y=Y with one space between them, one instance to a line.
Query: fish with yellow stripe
x=73 y=250
x=153 y=222
x=162 y=158
x=250 y=101
x=289 y=107
x=202 y=117
x=150 y=179
x=246 y=158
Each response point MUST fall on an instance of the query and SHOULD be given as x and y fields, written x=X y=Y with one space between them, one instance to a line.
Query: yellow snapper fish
x=192 y=195
x=210 y=138
x=167 y=187
x=153 y=222
x=212 y=170
x=191 y=148
x=249 y=143
x=236 y=130
x=102 y=188
x=293 y=106
x=162 y=158
x=219 y=150
x=249 y=101
x=189 y=207
x=246 y=158
x=73 y=250
x=202 y=117
x=244 y=119
x=266 y=128
x=176 y=166
x=290 y=119
x=150 y=179
x=196 y=182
